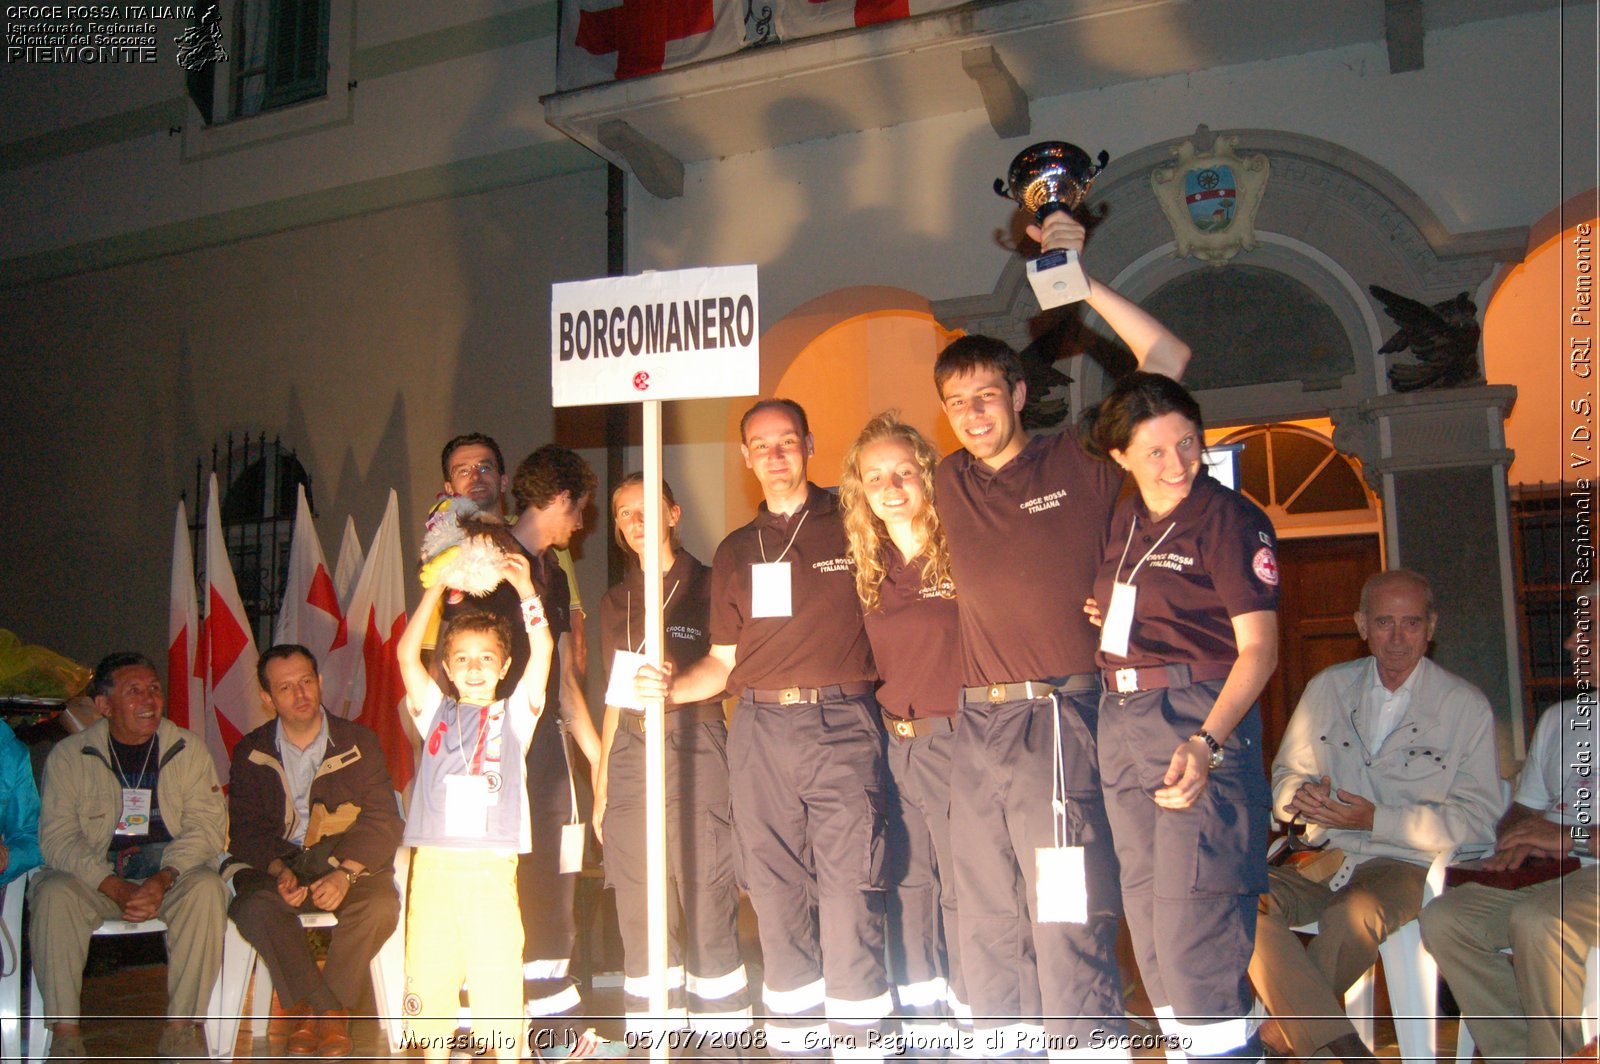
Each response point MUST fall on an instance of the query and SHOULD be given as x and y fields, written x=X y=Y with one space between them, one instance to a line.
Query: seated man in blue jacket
x=19 y=810
x=315 y=819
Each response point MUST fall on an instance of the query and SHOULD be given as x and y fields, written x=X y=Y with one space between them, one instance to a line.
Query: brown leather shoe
x=283 y=1023
x=303 y=1039
x=333 y=1033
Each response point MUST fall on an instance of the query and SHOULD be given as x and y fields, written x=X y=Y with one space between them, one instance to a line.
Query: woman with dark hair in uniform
x=902 y=569
x=1187 y=598
x=705 y=971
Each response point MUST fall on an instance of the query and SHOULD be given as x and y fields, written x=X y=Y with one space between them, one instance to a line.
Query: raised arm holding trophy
x=1046 y=178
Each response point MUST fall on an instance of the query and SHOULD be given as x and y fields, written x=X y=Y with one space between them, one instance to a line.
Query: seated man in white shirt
x=1530 y=1009
x=1388 y=759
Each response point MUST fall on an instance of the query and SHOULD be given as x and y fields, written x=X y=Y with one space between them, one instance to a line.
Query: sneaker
x=181 y=1043
x=67 y=1045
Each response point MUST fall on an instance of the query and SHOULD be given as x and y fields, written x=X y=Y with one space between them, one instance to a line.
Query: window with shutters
x=275 y=68
x=1546 y=520
x=283 y=51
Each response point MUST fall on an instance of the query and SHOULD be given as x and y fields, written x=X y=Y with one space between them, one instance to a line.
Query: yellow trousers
x=463 y=926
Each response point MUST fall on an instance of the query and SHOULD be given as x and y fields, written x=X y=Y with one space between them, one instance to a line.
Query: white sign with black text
x=673 y=334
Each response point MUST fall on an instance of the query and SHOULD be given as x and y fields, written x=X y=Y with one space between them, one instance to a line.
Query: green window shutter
x=297 y=52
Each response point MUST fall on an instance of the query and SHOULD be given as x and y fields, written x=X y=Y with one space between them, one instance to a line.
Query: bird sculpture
x=1042 y=410
x=1443 y=337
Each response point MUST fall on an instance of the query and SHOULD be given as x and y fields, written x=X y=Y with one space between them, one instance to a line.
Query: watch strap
x=1215 y=760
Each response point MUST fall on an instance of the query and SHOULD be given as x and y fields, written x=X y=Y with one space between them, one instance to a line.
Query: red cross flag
x=185 y=672
x=806 y=18
x=233 y=698
x=310 y=614
x=377 y=616
x=342 y=666
x=611 y=40
x=348 y=568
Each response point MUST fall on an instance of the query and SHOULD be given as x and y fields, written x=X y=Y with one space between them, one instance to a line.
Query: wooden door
x=1321 y=589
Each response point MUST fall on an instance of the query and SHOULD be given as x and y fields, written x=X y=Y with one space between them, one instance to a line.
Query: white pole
x=655 y=790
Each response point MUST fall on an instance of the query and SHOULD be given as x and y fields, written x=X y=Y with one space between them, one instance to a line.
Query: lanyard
x=664 y=604
x=1058 y=780
x=1133 y=527
x=475 y=759
x=786 y=547
x=116 y=765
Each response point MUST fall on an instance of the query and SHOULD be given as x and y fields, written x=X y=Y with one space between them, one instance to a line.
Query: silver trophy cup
x=1044 y=178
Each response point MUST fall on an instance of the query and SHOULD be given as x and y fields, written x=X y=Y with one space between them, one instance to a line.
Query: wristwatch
x=350 y=874
x=1216 y=759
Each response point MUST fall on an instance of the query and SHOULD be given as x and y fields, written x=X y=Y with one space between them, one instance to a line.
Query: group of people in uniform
x=938 y=763
x=925 y=705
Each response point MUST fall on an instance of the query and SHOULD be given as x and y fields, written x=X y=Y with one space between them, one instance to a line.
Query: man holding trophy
x=1036 y=866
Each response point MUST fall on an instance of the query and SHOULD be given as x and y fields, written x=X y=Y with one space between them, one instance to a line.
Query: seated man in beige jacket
x=1389 y=760
x=131 y=824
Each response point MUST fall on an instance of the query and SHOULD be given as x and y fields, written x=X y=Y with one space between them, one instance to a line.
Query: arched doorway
x=1329 y=527
x=844 y=357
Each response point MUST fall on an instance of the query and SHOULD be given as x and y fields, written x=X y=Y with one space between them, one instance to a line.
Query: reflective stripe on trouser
x=921 y=903
x=1190 y=877
x=1236 y=1038
x=808 y=803
x=544 y=895
x=1016 y=968
x=703 y=895
x=462 y=926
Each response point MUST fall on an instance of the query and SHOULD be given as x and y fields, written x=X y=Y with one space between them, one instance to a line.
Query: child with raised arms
x=469 y=820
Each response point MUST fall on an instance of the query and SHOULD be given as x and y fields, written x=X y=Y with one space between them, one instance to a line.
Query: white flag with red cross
x=347 y=569
x=376 y=617
x=309 y=614
x=613 y=40
x=185 y=669
x=342 y=665
x=807 y=18
x=233 y=697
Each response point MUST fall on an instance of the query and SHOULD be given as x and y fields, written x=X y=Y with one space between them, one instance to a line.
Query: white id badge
x=769 y=590
x=1063 y=890
x=571 y=848
x=135 y=816
x=619 y=687
x=466 y=806
x=1118 y=621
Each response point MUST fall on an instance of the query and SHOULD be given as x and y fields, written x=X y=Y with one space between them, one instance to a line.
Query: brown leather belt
x=808 y=696
x=685 y=717
x=1155 y=677
x=909 y=728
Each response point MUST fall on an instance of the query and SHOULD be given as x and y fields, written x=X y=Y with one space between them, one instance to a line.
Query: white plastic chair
x=11 y=968
x=1413 y=978
x=1591 y=995
x=37 y=1049
x=239 y=962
